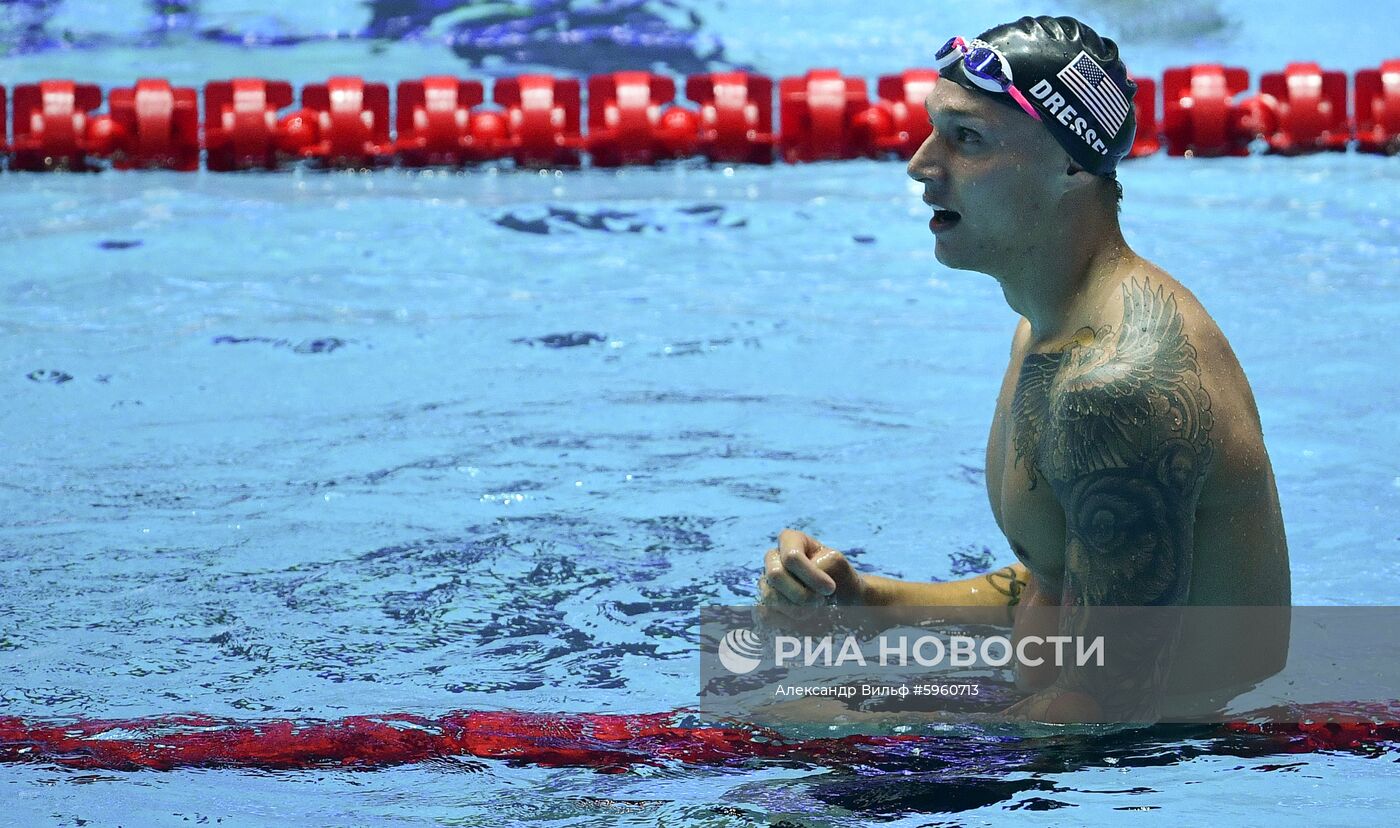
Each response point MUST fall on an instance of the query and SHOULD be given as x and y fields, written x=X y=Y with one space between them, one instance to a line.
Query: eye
x=968 y=136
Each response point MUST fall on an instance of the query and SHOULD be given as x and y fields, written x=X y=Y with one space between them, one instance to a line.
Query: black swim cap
x=1075 y=81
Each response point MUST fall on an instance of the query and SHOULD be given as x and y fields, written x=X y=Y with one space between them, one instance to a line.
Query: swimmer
x=1126 y=463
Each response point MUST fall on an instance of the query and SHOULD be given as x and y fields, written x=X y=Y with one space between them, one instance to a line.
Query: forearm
x=998 y=588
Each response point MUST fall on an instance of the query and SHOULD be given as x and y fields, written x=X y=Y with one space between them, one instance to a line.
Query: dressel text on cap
x=1067 y=115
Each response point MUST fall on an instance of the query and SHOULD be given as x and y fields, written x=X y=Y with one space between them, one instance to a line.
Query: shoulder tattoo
x=1111 y=399
x=1119 y=423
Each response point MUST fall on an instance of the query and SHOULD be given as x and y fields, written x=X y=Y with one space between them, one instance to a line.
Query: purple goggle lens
x=985 y=66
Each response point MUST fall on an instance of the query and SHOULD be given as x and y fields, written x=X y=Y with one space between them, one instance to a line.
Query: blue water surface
x=307 y=445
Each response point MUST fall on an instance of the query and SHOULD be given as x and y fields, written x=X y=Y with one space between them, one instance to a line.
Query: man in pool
x=1126 y=463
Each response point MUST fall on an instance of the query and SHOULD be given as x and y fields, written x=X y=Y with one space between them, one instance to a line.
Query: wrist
x=872 y=591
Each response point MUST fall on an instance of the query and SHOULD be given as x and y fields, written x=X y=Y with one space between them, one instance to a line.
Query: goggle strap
x=1021 y=99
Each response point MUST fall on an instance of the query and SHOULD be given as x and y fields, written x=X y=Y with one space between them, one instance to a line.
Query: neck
x=1049 y=284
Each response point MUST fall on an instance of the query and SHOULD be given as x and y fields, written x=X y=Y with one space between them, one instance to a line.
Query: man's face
x=996 y=167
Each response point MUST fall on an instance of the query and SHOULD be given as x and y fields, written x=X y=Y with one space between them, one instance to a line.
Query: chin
x=949 y=258
x=964 y=255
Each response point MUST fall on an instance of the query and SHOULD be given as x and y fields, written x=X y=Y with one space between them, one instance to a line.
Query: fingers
x=838 y=567
x=775 y=610
x=782 y=581
x=796 y=551
x=799 y=575
x=781 y=604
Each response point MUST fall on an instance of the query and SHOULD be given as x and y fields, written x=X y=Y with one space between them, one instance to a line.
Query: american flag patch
x=1090 y=82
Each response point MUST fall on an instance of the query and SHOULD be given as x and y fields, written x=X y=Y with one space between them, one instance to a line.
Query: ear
x=1077 y=179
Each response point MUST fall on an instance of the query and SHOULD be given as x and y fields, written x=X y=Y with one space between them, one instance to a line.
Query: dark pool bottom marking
x=567 y=220
x=59 y=377
x=572 y=339
x=49 y=375
x=324 y=345
x=615 y=743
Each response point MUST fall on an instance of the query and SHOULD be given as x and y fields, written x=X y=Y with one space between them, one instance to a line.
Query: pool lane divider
x=606 y=742
x=633 y=118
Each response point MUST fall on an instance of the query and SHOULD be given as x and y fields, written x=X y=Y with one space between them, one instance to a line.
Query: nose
x=925 y=167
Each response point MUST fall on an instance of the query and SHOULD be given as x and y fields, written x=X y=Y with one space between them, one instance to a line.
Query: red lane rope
x=633 y=117
x=589 y=740
x=601 y=741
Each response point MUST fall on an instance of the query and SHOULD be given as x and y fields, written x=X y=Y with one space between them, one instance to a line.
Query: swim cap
x=1074 y=79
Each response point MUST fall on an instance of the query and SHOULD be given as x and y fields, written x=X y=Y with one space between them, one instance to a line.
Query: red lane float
x=343 y=122
x=1200 y=116
x=1146 y=140
x=152 y=125
x=542 y=119
x=50 y=120
x=1307 y=109
x=626 y=124
x=1378 y=109
x=603 y=741
x=818 y=114
x=736 y=116
x=902 y=100
x=436 y=125
x=240 y=122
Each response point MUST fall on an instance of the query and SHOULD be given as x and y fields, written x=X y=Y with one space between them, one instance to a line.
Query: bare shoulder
x=1197 y=325
x=1214 y=361
x=1130 y=392
x=1153 y=370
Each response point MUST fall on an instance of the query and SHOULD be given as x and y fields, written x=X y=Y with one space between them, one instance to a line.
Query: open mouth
x=944 y=219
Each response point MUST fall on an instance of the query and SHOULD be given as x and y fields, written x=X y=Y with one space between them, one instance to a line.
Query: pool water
x=307 y=445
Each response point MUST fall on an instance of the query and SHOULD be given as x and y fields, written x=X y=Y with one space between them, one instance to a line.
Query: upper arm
x=1129 y=447
x=1129 y=528
x=1125 y=442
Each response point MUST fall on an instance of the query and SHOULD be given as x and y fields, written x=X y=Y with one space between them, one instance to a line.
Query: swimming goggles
x=984 y=66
